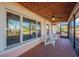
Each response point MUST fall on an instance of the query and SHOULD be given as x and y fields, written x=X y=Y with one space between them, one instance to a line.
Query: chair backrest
x=49 y=39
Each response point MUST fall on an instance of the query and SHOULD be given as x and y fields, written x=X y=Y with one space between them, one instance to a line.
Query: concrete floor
x=63 y=48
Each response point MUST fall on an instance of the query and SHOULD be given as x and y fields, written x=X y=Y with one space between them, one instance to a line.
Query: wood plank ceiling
x=49 y=9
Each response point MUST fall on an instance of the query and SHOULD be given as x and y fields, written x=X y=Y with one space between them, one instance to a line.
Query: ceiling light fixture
x=53 y=18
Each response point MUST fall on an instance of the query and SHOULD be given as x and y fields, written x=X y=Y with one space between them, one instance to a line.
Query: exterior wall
x=22 y=11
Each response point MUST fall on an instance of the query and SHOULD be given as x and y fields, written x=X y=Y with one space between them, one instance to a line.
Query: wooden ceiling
x=49 y=9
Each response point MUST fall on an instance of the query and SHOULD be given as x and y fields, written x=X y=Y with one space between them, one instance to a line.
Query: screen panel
x=71 y=31
x=64 y=29
x=77 y=31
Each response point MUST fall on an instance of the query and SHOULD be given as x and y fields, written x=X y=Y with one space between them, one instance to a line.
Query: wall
x=22 y=11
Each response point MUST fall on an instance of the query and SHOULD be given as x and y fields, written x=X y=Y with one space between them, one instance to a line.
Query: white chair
x=50 y=39
x=54 y=38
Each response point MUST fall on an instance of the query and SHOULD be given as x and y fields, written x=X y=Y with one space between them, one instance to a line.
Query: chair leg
x=54 y=43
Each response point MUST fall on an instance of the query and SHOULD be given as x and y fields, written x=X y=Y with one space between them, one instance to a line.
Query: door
x=64 y=29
